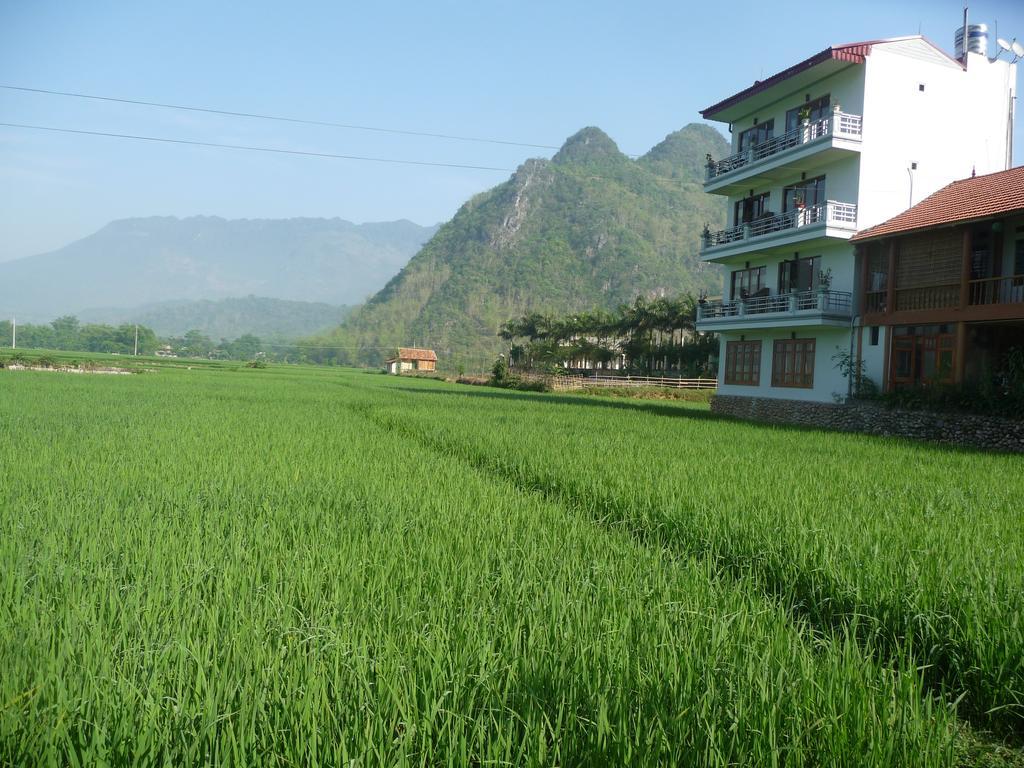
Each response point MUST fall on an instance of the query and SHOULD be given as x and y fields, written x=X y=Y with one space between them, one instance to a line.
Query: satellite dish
x=1018 y=48
x=1002 y=44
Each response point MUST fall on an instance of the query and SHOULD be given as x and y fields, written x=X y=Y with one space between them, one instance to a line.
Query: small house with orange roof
x=411 y=359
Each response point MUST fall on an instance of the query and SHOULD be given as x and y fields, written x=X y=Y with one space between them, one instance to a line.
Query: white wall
x=828 y=383
x=956 y=124
x=873 y=356
x=837 y=256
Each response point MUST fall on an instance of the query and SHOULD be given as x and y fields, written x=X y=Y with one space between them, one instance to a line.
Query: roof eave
x=866 y=237
x=847 y=54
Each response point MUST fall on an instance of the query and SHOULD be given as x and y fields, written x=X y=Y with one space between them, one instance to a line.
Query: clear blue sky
x=523 y=71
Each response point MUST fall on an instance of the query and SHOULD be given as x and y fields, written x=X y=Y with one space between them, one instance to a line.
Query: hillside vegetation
x=588 y=229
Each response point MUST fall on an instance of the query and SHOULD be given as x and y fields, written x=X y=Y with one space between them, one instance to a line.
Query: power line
x=278 y=118
x=251 y=148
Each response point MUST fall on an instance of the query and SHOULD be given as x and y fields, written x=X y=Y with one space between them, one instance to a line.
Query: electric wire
x=253 y=148
x=278 y=118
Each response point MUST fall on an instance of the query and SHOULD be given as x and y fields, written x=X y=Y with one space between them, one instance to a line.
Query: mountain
x=140 y=261
x=227 y=318
x=588 y=229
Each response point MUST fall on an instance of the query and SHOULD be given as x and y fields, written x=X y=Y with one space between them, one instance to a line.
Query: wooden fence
x=578 y=382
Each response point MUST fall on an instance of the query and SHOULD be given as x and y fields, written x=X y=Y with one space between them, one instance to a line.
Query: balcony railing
x=997 y=290
x=840 y=124
x=831 y=213
x=801 y=302
x=928 y=297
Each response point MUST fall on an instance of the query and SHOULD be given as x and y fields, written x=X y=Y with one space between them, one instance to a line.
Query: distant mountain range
x=588 y=229
x=135 y=262
x=227 y=318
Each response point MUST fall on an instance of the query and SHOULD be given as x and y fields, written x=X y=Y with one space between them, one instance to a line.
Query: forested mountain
x=228 y=318
x=140 y=261
x=588 y=229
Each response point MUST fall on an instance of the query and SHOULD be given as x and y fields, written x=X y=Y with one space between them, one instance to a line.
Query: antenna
x=1018 y=49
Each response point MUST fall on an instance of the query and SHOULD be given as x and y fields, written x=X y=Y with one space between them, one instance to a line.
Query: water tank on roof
x=977 y=40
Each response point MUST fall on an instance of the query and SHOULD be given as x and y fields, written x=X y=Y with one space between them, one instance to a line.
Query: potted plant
x=825 y=280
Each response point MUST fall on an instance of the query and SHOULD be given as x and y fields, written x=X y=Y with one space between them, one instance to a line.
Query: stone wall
x=987 y=432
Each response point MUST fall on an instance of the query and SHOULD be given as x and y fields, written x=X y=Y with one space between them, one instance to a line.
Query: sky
x=529 y=72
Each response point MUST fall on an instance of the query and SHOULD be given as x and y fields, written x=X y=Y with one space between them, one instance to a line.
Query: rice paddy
x=299 y=566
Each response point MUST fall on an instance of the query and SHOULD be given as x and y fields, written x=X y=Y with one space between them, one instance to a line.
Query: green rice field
x=299 y=566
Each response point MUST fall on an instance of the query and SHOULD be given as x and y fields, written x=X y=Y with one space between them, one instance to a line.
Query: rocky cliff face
x=588 y=229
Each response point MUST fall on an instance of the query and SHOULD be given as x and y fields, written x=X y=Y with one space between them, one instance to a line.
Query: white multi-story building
x=839 y=142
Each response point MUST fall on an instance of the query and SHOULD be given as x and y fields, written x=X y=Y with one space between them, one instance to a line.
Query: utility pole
x=136 y=339
x=14 y=332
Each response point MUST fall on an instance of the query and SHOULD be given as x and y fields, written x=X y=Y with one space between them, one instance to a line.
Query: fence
x=560 y=383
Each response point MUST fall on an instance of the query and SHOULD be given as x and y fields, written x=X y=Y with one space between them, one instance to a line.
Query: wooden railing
x=997 y=290
x=875 y=301
x=570 y=382
x=648 y=381
x=840 y=124
x=927 y=297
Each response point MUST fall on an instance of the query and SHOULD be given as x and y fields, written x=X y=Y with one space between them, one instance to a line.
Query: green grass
x=295 y=566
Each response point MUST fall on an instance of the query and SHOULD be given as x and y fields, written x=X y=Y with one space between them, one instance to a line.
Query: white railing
x=832 y=213
x=840 y=124
x=827 y=301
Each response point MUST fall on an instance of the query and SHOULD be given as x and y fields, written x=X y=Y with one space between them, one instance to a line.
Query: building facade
x=942 y=286
x=836 y=143
x=411 y=359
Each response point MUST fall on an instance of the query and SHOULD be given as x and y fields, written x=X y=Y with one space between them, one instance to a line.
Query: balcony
x=805 y=148
x=780 y=230
x=991 y=298
x=803 y=308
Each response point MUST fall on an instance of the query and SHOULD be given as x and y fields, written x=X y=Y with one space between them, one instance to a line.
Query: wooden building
x=941 y=285
x=411 y=359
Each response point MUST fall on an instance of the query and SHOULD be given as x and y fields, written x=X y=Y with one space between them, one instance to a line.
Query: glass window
x=793 y=363
x=743 y=362
x=806 y=194
x=750 y=208
x=759 y=134
x=799 y=274
x=747 y=282
x=814 y=110
x=923 y=355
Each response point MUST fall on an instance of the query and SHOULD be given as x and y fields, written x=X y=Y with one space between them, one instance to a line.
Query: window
x=799 y=274
x=814 y=110
x=806 y=194
x=793 y=363
x=756 y=135
x=922 y=355
x=1018 y=257
x=747 y=282
x=743 y=362
x=874 y=336
x=750 y=208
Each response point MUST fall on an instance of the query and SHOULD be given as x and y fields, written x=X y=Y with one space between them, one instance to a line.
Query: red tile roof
x=413 y=353
x=852 y=53
x=978 y=197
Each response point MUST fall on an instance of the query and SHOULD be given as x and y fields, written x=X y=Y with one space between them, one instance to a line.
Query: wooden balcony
x=993 y=298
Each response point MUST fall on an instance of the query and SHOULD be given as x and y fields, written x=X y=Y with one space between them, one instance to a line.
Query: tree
x=196 y=344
